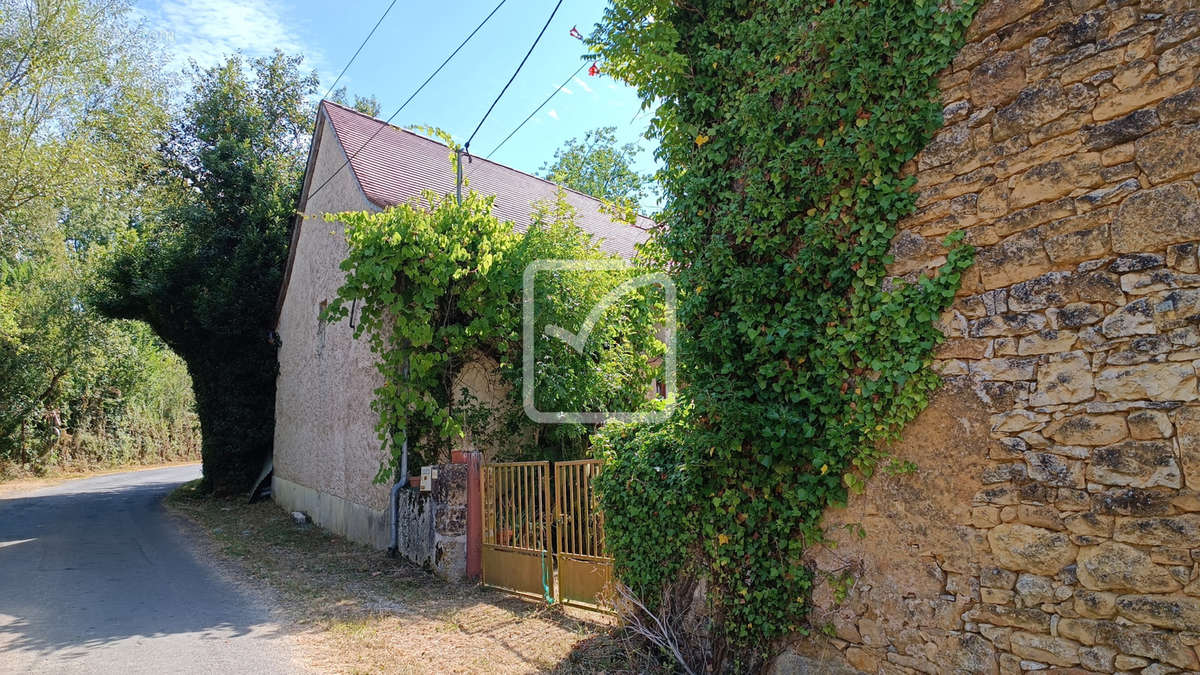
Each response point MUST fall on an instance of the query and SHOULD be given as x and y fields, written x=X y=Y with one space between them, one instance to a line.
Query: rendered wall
x=326 y=449
x=1053 y=524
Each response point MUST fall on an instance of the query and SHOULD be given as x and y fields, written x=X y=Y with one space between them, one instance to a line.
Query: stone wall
x=433 y=524
x=1053 y=524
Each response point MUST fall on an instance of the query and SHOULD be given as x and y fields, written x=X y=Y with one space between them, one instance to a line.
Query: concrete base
x=341 y=517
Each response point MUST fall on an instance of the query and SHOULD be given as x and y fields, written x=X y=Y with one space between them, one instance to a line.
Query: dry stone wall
x=1053 y=524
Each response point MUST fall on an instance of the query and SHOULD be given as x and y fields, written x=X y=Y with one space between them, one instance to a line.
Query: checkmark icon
x=578 y=339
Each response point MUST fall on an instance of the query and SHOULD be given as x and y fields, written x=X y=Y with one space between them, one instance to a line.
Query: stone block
x=1176 y=28
x=1080 y=314
x=1099 y=287
x=1140 y=464
x=1046 y=342
x=1033 y=590
x=1136 y=262
x=1045 y=648
x=1004 y=369
x=1087 y=430
x=1175 y=531
x=1114 y=566
x=1009 y=323
x=1098 y=659
x=1177 y=612
x=1153 y=381
x=1182 y=257
x=1170 y=152
x=1040 y=515
x=1034 y=106
x=1184 y=107
x=1000 y=615
x=1121 y=130
x=1015 y=259
x=1178 y=60
x=1090 y=523
x=1055 y=470
x=1188 y=422
x=1023 y=548
x=1133 y=501
x=1152 y=281
x=998 y=78
x=1135 y=318
x=1152 y=219
x=1056 y=178
x=1064 y=378
x=1048 y=290
x=1118 y=103
x=1094 y=604
x=1150 y=424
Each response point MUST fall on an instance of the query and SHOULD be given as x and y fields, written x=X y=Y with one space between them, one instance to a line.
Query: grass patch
x=352 y=609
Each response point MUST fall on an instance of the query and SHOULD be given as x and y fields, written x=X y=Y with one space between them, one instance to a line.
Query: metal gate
x=519 y=553
x=516 y=528
x=584 y=567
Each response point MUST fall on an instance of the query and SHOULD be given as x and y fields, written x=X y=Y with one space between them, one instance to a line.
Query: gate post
x=474 y=515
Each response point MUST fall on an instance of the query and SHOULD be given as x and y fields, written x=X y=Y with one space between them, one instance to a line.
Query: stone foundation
x=1053 y=524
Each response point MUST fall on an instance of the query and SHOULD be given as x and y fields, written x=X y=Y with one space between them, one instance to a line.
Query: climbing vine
x=440 y=286
x=784 y=126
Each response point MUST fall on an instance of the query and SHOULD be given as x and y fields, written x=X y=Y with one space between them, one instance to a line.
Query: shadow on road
x=95 y=572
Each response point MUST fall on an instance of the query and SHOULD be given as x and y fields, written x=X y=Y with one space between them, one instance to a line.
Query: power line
x=467 y=145
x=410 y=98
x=535 y=110
x=360 y=48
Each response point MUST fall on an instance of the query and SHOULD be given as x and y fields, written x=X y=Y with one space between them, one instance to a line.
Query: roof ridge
x=482 y=159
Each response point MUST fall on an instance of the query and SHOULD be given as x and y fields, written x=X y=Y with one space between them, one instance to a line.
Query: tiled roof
x=398 y=165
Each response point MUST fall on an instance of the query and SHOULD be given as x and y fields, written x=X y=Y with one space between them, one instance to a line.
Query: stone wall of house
x=1053 y=524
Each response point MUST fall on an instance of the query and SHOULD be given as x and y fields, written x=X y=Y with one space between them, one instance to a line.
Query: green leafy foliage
x=596 y=165
x=783 y=129
x=440 y=285
x=81 y=112
x=204 y=271
x=81 y=104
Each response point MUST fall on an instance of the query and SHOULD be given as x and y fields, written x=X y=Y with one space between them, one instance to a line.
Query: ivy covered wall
x=1053 y=521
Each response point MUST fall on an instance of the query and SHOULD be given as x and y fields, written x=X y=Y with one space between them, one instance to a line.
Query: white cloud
x=553 y=113
x=566 y=91
x=208 y=30
x=583 y=85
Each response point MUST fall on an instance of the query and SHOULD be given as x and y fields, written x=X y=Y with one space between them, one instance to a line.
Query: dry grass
x=351 y=609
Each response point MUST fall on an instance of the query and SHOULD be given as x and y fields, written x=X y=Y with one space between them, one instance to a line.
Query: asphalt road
x=96 y=577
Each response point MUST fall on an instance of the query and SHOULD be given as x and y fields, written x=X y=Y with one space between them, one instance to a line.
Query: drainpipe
x=394 y=549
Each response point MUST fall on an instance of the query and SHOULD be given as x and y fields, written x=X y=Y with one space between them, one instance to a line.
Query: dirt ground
x=350 y=609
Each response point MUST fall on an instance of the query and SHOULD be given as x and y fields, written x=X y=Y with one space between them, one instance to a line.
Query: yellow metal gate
x=584 y=567
x=520 y=554
x=516 y=552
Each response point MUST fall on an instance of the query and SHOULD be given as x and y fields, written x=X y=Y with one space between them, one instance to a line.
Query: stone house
x=1053 y=524
x=326 y=450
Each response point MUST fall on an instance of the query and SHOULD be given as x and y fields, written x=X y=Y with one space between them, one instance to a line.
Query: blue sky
x=414 y=38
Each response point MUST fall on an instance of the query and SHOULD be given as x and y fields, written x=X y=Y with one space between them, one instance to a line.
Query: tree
x=367 y=105
x=206 y=272
x=81 y=113
x=598 y=166
x=81 y=104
